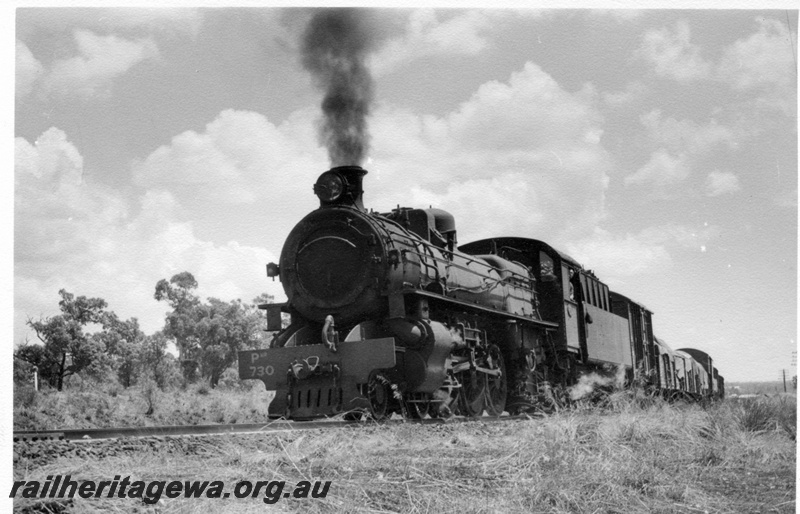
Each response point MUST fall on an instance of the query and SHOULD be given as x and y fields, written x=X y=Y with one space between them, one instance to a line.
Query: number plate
x=355 y=360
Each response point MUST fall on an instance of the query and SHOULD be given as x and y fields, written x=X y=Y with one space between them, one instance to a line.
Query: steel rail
x=94 y=434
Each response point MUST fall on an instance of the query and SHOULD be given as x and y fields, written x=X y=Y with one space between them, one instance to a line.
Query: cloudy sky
x=658 y=148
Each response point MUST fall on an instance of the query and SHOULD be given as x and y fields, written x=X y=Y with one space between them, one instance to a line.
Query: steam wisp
x=335 y=46
x=588 y=383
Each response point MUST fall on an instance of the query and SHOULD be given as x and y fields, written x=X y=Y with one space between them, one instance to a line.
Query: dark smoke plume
x=335 y=46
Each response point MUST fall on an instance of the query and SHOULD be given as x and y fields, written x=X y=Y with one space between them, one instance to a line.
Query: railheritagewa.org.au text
x=150 y=492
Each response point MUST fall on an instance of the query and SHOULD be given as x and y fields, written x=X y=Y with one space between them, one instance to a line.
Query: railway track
x=94 y=434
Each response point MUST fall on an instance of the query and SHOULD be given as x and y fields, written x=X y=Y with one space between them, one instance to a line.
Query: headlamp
x=329 y=186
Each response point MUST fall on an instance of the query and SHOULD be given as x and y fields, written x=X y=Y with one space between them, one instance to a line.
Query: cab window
x=545 y=265
x=568 y=283
x=584 y=289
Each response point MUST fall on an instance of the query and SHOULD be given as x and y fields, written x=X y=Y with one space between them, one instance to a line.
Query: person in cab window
x=571 y=285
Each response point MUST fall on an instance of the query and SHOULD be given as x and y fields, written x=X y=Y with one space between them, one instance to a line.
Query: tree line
x=207 y=334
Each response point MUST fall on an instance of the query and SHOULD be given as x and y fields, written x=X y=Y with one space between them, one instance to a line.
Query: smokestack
x=335 y=45
x=341 y=186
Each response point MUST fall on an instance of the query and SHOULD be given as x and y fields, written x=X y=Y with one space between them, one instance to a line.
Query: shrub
x=149 y=391
x=786 y=415
x=764 y=414
x=24 y=397
x=753 y=415
x=230 y=379
x=203 y=388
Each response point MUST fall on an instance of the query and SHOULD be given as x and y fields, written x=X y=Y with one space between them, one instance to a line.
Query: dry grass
x=145 y=405
x=637 y=456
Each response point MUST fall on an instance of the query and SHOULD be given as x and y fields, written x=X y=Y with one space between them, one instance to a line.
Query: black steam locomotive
x=389 y=315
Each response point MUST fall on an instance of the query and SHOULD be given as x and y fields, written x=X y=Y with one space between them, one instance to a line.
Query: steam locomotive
x=388 y=314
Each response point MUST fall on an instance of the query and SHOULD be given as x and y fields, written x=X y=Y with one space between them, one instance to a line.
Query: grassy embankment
x=114 y=406
x=635 y=456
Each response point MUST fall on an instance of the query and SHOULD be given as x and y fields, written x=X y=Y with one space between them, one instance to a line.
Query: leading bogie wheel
x=496 y=385
x=378 y=394
x=418 y=405
x=473 y=392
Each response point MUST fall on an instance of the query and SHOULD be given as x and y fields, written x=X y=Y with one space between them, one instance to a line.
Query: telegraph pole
x=784 y=381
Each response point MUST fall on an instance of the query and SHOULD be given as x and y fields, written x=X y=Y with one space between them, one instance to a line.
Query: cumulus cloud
x=686 y=135
x=97 y=242
x=241 y=159
x=131 y=20
x=531 y=109
x=632 y=92
x=51 y=158
x=218 y=160
x=720 y=183
x=763 y=59
x=28 y=70
x=167 y=20
x=764 y=63
x=679 y=144
x=661 y=170
x=650 y=251
x=673 y=55
x=426 y=35
x=100 y=60
x=108 y=41
x=526 y=140
x=622 y=256
x=501 y=197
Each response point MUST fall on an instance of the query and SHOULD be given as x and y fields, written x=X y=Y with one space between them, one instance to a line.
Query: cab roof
x=519 y=243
